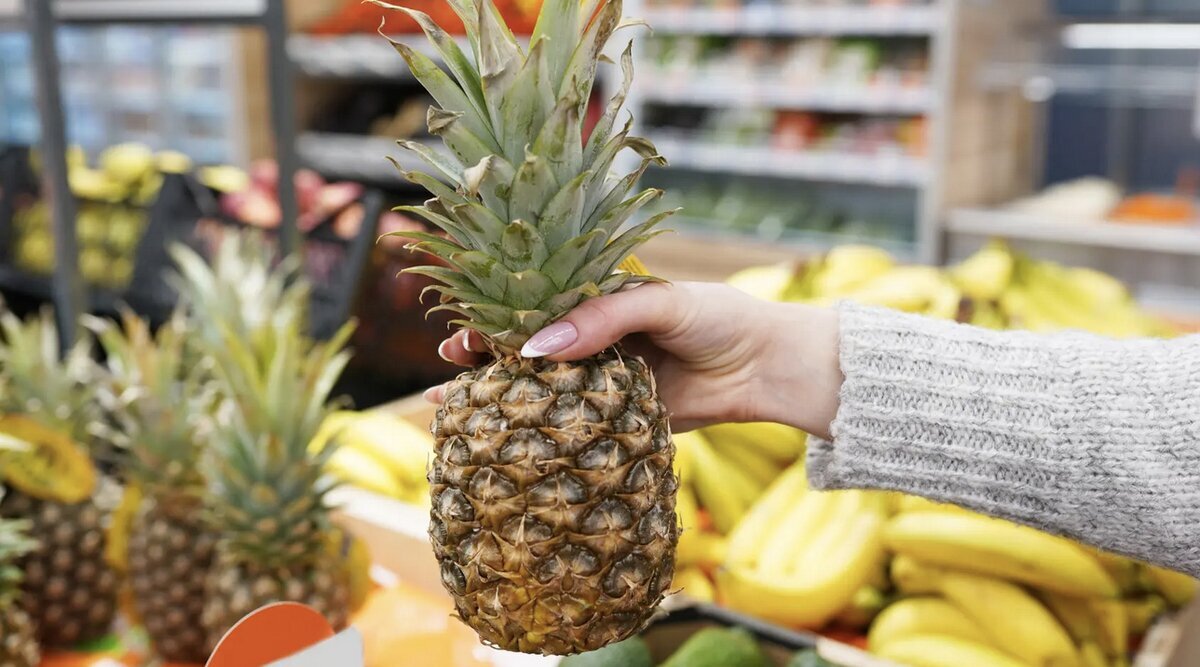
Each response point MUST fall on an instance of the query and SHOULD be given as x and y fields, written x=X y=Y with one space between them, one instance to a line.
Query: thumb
x=600 y=322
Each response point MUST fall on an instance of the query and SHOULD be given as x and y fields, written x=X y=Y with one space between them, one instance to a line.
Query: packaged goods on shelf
x=353 y=16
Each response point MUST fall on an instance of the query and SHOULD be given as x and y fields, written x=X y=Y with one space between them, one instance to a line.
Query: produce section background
x=1013 y=164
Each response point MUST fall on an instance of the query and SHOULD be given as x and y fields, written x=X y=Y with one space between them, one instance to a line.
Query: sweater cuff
x=944 y=410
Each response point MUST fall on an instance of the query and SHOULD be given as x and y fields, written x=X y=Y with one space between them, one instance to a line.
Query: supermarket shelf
x=147 y=11
x=1147 y=86
x=893 y=170
x=663 y=88
x=773 y=20
x=354 y=56
x=356 y=157
x=1148 y=238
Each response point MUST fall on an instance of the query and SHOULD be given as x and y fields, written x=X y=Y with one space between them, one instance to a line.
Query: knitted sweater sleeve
x=1082 y=436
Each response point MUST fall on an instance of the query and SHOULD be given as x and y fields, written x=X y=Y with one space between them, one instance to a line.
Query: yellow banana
x=987 y=314
x=984 y=275
x=747 y=487
x=1141 y=612
x=1113 y=625
x=823 y=538
x=364 y=471
x=943 y=651
x=397 y=443
x=866 y=604
x=334 y=422
x=692 y=582
x=687 y=508
x=908 y=288
x=994 y=547
x=923 y=616
x=908 y=503
x=764 y=282
x=777 y=442
x=1177 y=588
x=849 y=266
x=761 y=469
x=1091 y=655
x=1125 y=571
x=809 y=598
x=797 y=530
x=765 y=516
x=683 y=458
x=715 y=487
x=701 y=549
x=1074 y=614
x=1011 y=618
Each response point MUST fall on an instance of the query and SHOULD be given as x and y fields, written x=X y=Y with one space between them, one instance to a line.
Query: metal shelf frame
x=42 y=17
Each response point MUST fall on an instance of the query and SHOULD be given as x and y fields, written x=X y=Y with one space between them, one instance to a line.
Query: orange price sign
x=286 y=634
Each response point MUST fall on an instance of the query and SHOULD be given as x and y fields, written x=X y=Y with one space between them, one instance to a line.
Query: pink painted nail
x=442 y=347
x=554 y=338
x=431 y=395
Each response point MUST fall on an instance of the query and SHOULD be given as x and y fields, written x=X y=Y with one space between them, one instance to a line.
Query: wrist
x=800 y=374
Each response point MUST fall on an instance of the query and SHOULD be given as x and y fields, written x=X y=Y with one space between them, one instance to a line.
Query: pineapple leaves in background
x=268 y=496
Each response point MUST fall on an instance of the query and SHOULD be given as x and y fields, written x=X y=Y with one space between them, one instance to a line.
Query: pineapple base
x=18 y=641
x=70 y=590
x=170 y=553
x=233 y=590
x=553 y=501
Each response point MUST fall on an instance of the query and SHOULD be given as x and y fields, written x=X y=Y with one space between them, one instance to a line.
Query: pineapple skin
x=233 y=590
x=553 y=501
x=18 y=641
x=170 y=553
x=69 y=590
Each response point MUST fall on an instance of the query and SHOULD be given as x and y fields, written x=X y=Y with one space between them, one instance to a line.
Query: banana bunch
x=982 y=591
x=380 y=452
x=1008 y=290
x=730 y=465
x=801 y=557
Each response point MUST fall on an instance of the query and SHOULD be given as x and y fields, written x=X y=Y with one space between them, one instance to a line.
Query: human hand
x=718 y=354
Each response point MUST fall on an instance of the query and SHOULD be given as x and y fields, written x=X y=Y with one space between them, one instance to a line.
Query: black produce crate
x=335 y=265
x=666 y=634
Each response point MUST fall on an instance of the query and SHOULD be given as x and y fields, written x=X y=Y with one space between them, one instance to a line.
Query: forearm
x=799 y=376
x=1087 y=437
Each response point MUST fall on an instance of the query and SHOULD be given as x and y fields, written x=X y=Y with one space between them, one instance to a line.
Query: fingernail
x=554 y=338
x=442 y=347
x=431 y=395
x=467 y=342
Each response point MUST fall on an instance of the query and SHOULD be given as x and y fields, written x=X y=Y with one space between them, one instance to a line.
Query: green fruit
x=718 y=647
x=632 y=652
x=808 y=658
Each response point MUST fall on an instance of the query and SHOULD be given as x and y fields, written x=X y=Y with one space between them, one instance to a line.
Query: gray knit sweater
x=1083 y=436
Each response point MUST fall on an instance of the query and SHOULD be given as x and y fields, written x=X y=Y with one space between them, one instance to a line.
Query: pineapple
x=269 y=487
x=18 y=645
x=69 y=588
x=159 y=405
x=553 y=496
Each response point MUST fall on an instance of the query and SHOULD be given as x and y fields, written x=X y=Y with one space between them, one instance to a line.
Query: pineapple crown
x=14 y=543
x=159 y=401
x=530 y=212
x=35 y=381
x=242 y=290
x=268 y=484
